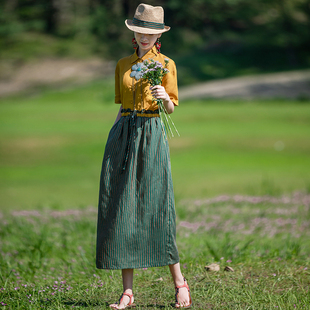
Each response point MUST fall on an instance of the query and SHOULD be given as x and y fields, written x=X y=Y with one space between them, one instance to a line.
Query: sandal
x=177 y=305
x=129 y=305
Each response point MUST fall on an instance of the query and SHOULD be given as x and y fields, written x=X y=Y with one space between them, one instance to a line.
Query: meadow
x=241 y=180
x=52 y=145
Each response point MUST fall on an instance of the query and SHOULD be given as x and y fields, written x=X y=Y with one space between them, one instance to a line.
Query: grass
x=241 y=184
x=52 y=145
x=48 y=258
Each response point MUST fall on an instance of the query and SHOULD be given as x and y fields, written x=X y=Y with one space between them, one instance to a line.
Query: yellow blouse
x=136 y=95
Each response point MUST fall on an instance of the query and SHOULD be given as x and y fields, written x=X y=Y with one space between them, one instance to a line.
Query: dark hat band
x=145 y=24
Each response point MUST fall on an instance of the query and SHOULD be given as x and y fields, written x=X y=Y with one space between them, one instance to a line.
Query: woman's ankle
x=128 y=291
x=179 y=281
x=176 y=273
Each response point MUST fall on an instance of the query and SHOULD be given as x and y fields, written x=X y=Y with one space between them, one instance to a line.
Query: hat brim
x=130 y=26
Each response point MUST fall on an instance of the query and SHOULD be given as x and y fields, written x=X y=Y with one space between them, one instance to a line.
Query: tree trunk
x=50 y=17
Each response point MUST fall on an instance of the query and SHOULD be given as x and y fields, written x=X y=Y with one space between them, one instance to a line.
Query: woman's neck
x=141 y=53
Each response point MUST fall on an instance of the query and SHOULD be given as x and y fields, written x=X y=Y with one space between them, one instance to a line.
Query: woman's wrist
x=168 y=105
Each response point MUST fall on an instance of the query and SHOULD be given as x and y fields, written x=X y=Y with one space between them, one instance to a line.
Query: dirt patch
x=51 y=72
x=294 y=84
x=181 y=143
x=60 y=72
x=31 y=144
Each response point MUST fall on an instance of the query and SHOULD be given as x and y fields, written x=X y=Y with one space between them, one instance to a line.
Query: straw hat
x=148 y=19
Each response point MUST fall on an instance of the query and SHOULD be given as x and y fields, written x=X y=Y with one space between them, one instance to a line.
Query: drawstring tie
x=132 y=116
x=132 y=125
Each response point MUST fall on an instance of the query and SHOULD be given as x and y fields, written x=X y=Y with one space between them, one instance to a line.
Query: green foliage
x=9 y=27
x=231 y=58
x=282 y=24
x=154 y=71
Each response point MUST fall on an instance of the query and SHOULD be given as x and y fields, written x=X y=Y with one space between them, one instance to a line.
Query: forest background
x=210 y=38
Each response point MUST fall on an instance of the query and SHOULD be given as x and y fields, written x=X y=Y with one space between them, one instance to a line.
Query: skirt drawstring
x=132 y=125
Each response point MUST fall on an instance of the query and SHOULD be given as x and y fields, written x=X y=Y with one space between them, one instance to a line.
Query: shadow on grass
x=156 y=306
x=86 y=304
x=106 y=304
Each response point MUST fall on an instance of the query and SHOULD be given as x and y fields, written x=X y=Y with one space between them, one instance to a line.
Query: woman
x=136 y=215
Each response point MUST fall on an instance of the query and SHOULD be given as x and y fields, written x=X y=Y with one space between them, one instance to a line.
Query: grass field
x=52 y=146
x=242 y=183
x=48 y=258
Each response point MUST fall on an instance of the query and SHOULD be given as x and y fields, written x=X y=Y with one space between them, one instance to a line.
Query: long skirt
x=136 y=214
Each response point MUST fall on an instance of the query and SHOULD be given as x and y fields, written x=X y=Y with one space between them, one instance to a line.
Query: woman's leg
x=183 y=297
x=127 y=275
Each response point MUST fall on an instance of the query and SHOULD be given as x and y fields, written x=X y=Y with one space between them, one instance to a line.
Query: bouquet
x=153 y=72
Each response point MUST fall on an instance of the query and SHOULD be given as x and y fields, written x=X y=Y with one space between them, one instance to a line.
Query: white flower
x=137 y=71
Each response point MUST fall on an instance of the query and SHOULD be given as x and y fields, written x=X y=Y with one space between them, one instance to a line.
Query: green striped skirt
x=136 y=214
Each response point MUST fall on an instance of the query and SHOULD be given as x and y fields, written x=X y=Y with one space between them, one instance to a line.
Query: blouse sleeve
x=171 y=84
x=117 y=84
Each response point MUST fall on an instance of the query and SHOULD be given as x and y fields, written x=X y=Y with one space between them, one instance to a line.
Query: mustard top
x=136 y=95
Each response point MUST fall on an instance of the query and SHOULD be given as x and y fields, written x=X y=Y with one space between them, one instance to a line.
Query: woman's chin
x=145 y=47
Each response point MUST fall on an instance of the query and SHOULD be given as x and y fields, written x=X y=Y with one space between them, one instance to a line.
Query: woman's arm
x=159 y=92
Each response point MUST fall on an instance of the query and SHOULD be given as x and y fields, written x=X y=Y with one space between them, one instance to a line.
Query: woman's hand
x=159 y=92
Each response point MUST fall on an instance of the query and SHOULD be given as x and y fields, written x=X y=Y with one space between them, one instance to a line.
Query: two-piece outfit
x=136 y=214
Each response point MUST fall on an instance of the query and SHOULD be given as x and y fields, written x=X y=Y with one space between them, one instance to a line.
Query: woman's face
x=146 y=41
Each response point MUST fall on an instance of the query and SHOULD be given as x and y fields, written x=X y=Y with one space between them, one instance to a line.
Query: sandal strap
x=180 y=286
x=183 y=285
x=130 y=298
x=177 y=292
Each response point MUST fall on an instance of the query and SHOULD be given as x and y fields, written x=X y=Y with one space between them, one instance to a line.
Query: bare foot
x=183 y=297
x=124 y=302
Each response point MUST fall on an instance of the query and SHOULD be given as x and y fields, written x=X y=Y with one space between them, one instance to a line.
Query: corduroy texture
x=136 y=215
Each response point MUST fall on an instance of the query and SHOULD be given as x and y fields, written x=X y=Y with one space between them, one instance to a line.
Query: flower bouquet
x=153 y=72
